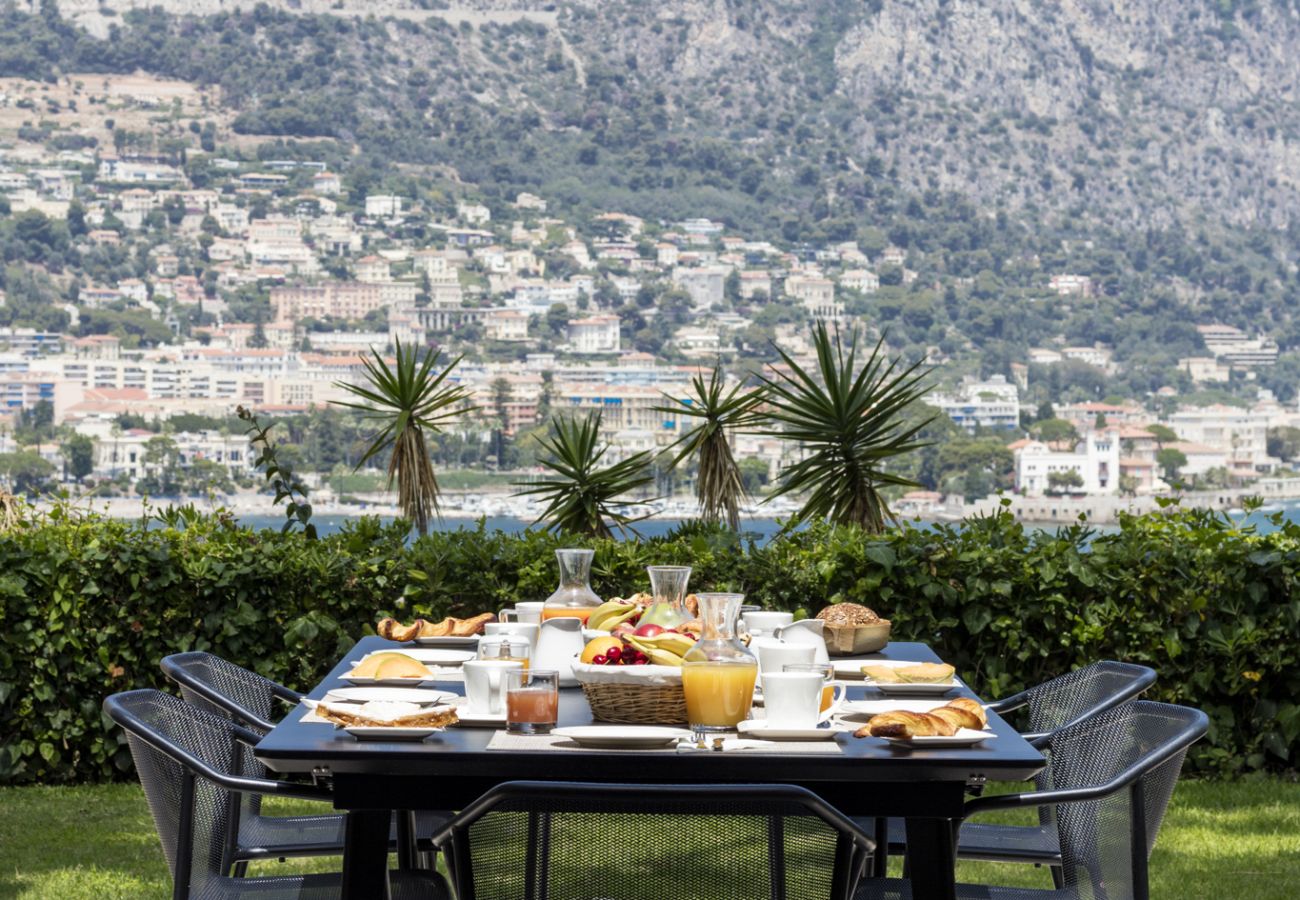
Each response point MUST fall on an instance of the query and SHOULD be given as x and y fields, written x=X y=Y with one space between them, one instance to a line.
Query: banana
x=670 y=641
x=663 y=657
x=603 y=617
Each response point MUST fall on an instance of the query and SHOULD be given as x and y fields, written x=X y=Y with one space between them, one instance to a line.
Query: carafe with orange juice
x=719 y=672
x=574 y=597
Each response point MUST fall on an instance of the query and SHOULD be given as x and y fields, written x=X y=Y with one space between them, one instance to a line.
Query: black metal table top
x=298 y=747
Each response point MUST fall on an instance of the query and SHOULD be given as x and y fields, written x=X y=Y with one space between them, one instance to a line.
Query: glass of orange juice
x=719 y=672
x=532 y=700
x=829 y=690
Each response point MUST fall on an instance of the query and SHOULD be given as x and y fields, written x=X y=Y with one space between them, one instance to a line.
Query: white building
x=383 y=206
x=594 y=334
x=1095 y=460
x=506 y=325
x=817 y=295
x=1241 y=434
x=862 y=280
x=704 y=284
x=994 y=403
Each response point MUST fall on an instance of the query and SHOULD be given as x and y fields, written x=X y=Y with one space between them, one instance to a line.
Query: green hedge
x=88 y=606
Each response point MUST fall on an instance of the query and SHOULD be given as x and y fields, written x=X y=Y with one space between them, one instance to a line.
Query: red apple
x=649 y=629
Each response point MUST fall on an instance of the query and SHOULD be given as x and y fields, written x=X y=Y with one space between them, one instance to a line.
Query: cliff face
x=1128 y=112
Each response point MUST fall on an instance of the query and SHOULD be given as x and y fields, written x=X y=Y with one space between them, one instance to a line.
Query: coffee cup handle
x=838 y=691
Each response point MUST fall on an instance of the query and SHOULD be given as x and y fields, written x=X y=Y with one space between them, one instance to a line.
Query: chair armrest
x=1007 y=704
x=238 y=783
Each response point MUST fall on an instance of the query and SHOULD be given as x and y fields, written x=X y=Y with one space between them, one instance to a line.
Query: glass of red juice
x=532 y=700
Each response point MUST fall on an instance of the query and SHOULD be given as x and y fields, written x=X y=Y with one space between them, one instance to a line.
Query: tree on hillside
x=1055 y=431
x=79 y=453
x=25 y=471
x=1170 y=460
x=1063 y=482
x=1163 y=434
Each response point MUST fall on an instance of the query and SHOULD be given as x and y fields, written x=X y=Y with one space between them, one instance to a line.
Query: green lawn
x=98 y=843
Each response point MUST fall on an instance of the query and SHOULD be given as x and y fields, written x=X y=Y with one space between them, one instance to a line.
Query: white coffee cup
x=792 y=699
x=774 y=655
x=529 y=611
x=762 y=621
x=485 y=685
x=529 y=631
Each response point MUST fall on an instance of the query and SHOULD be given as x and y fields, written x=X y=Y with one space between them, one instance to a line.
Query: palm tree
x=408 y=400
x=583 y=498
x=718 y=486
x=850 y=422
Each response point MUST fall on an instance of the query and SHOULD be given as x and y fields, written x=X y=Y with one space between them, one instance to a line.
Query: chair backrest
x=1106 y=842
x=530 y=840
x=192 y=814
x=1083 y=692
x=210 y=682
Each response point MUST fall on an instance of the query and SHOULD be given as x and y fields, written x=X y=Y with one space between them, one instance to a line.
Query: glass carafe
x=719 y=672
x=668 y=586
x=574 y=596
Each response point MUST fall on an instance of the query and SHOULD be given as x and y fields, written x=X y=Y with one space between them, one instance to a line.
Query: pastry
x=943 y=721
x=389 y=715
x=921 y=673
x=394 y=630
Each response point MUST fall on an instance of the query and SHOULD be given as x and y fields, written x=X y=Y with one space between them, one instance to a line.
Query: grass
x=98 y=843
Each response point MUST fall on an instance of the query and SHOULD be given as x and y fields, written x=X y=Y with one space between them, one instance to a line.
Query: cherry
x=598 y=660
x=613 y=653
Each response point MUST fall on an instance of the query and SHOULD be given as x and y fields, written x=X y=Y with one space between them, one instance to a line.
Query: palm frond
x=583 y=497
x=718 y=486
x=850 y=421
x=405 y=401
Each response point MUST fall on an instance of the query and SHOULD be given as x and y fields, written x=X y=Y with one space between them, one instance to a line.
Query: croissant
x=942 y=721
x=907 y=724
x=453 y=627
x=394 y=630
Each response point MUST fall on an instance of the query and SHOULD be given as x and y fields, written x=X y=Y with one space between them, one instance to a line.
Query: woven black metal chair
x=533 y=840
x=1047 y=708
x=190 y=766
x=1114 y=774
x=221 y=687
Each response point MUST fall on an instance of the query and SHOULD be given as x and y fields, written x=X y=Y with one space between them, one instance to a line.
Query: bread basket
x=633 y=695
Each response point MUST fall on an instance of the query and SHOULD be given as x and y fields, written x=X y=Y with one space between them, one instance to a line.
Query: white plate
x=640 y=737
x=433 y=657
x=965 y=737
x=389 y=733
x=469 y=718
x=451 y=641
x=914 y=690
x=364 y=681
x=422 y=696
x=758 y=728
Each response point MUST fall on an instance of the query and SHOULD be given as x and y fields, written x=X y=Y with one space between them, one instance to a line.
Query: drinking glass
x=718 y=673
x=532 y=700
x=504 y=648
x=831 y=687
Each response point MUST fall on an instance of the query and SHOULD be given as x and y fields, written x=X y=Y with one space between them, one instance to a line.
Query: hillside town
x=265 y=286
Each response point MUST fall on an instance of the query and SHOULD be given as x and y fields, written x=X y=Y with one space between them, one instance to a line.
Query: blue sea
x=758 y=530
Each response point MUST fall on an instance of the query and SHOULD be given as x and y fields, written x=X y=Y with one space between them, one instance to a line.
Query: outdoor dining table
x=869 y=777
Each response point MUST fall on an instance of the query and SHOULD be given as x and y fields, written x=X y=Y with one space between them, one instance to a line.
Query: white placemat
x=501 y=740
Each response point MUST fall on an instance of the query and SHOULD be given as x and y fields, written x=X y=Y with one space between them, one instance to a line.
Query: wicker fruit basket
x=633 y=695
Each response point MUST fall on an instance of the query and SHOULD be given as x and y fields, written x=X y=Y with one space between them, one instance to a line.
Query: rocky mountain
x=1138 y=112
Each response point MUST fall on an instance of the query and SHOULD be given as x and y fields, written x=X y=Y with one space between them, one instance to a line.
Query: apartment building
x=1241 y=434
x=594 y=334
x=993 y=403
x=340 y=299
x=705 y=284
x=817 y=295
